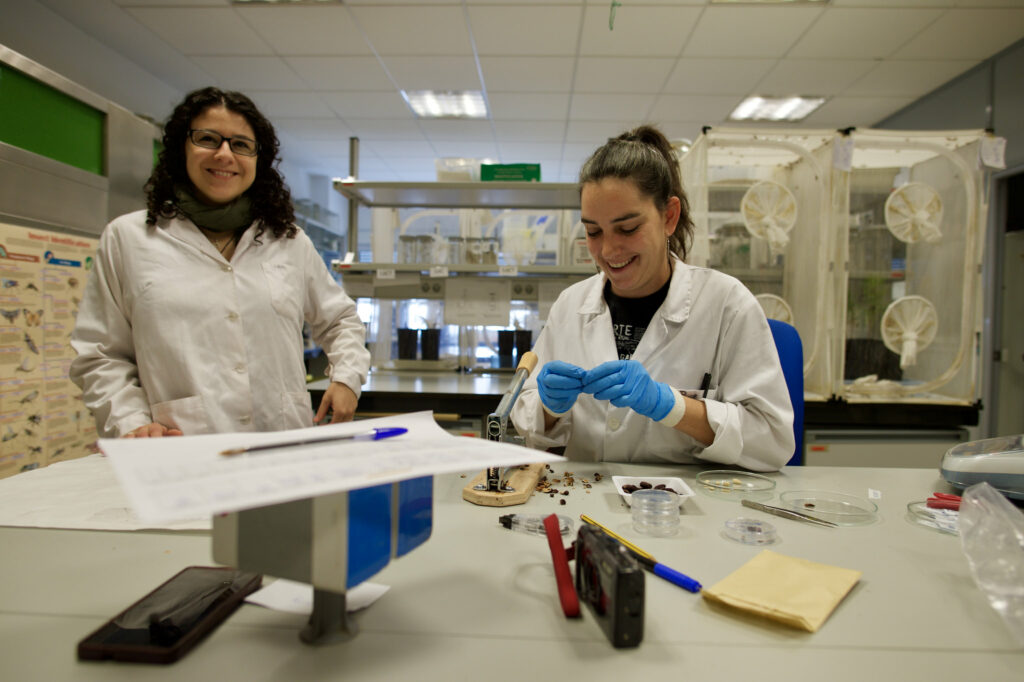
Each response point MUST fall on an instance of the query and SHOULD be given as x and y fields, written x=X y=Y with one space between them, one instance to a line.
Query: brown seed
x=561 y=502
x=645 y=485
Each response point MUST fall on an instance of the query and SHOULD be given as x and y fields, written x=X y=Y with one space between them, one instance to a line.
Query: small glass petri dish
x=846 y=510
x=735 y=485
x=655 y=512
x=942 y=520
x=750 y=531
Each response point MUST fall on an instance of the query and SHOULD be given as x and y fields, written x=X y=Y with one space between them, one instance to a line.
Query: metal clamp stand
x=500 y=487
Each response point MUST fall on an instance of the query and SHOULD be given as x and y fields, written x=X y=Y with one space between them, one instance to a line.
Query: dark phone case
x=138 y=649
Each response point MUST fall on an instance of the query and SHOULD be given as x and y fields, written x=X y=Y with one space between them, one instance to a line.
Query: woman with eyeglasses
x=192 y=317
x=652 y=359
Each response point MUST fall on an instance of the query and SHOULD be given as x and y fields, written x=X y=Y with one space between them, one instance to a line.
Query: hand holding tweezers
x=788 y=513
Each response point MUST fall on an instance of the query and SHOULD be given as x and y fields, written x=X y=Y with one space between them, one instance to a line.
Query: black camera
x=611 y=583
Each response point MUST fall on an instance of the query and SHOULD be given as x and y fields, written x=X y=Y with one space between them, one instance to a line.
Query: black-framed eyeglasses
x=211 y=139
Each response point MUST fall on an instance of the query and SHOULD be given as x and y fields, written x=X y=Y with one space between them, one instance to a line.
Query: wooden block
x=523 y=481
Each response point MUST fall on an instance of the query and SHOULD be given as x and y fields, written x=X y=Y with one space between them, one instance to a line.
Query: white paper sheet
x=292 y=597
x=168 y=479
x=79 y=494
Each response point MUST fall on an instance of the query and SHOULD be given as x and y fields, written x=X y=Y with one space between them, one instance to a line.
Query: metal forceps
x=788 y=513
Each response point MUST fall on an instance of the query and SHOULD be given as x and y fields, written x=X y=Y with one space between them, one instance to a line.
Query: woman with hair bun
x=192 y=317
x=653 y=360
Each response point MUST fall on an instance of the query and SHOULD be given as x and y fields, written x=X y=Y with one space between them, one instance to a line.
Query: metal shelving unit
x=525 y=195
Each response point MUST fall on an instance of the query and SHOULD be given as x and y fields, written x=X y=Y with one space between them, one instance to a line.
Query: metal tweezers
x=788 y=513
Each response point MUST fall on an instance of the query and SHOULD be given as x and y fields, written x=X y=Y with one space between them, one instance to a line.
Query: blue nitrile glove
x=627 y=384
x=558 y=384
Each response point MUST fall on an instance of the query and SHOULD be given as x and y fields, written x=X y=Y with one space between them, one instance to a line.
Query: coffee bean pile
x=644 y=485
x=567 y=479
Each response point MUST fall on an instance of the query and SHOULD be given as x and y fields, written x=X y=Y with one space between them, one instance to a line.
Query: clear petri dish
x=941 y=520
x=846 y=510
x=750 y=531
x=655 y=512
x=735 y=485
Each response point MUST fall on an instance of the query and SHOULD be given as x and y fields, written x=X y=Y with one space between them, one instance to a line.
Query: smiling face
x=220 y=176
x=627 y=234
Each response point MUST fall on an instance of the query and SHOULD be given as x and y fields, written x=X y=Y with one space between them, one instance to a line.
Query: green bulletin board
x=43 y=120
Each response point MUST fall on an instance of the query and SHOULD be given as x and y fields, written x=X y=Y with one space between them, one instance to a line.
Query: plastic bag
x=992 y=537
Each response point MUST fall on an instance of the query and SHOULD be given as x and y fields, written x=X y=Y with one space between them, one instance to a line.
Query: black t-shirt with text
x=631 y=316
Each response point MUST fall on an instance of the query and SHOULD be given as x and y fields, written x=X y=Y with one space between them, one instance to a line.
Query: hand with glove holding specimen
x=559 y=384
x=626 y=383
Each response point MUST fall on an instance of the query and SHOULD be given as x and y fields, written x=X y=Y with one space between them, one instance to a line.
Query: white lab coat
x=709 y=322
x=170 y=331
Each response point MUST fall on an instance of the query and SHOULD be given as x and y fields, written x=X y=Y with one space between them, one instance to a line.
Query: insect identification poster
x=42 y=277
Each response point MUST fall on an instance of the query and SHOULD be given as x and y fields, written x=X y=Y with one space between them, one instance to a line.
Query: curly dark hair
x=645 y=156
x=271 y=200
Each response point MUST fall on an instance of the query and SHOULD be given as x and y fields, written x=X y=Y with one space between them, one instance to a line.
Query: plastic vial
x=655 y=512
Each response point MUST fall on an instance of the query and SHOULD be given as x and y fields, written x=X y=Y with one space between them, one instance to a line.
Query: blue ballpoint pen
x=648 y=561
x=372 y=434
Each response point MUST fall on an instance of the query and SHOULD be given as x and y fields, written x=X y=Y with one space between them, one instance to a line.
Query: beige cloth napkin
x=793 y=591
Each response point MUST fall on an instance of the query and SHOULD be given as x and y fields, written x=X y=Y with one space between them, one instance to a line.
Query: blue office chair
x=791 y=356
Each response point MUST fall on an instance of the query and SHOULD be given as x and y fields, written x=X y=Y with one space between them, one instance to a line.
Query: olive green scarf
x=229 y=217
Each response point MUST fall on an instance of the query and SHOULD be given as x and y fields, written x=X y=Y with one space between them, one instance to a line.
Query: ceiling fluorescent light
x=462 y=104
x=775 y=108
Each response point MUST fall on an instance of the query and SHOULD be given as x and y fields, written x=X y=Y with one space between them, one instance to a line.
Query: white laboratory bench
x=477 y=601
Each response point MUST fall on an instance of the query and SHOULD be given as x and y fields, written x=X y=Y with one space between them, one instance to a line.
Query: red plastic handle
x=566 y=591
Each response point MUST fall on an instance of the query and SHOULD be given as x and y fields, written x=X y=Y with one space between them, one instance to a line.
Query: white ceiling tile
x=708 y=108
x=575 y=153
x=341 y=73
x=966 y=34
x=307 y=30
x=449 y=129
x=525 y=30
x=820 y=77
x=749 y=31
x=202 y=31
x=530 y=150
x=862 y=33
x=521 y=74
x=908 y=78
x=716 y=76
x=414 y=30
x=586 y=107
x=597 y=132
x=245 y=73
x=313 y=128
x=336 y=146
x=622 y=74
x=862 y=112
x=357 y=104
x=433 y=72
x=385 y=129
x=467 y=149
x=530 y=130
x=297 y=104
x=528 y=106
x=638 y=31
x=679 y=130
x=394 y=149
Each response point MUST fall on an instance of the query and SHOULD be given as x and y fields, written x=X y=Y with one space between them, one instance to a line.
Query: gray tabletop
x=477 y=601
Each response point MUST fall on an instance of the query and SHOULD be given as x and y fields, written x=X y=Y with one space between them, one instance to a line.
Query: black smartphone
x=166 y=623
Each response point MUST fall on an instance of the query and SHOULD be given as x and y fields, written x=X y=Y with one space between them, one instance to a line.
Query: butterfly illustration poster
x=42 y=417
